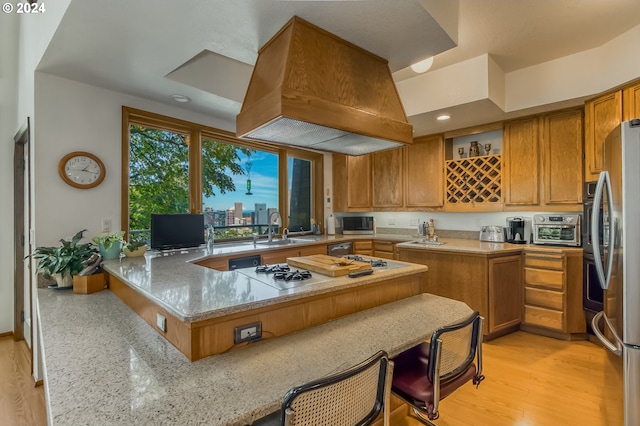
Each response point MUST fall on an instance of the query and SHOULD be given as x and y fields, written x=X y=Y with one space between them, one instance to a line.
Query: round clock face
x=81 y=170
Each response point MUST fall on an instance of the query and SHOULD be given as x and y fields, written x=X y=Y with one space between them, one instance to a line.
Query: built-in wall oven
x=592 y=293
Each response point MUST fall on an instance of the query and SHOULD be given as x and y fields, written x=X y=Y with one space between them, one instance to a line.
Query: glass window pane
x=300 y=194
x=158 y=175
x=239 y=188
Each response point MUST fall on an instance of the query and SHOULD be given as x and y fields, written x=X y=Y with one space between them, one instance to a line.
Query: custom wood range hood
x=312 y=89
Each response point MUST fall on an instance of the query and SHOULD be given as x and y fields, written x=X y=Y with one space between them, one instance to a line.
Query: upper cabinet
x=424 y=173
x=406 y=178
x=602 y=115
x=351 y=183
x=387 y=179
x=543 y=161
x=562 y=158
x=521 y=146
x=631 y=102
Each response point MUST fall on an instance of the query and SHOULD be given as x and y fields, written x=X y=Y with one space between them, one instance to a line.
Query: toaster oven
x=557 y=229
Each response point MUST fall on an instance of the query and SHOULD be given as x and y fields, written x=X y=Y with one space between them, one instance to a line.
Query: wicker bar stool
x=354 y=397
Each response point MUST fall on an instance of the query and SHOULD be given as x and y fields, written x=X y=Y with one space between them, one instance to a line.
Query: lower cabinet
x=384 y=249
x=364 y=247
x=268 y=257
x=553 y=292
x=490 y=284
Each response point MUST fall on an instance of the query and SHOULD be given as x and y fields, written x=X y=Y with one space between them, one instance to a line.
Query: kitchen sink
x=279 y=242
x=428 y=243
x=303 y=239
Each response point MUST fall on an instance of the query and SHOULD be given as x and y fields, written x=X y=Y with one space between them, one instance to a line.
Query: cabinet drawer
x=383 y=246
x=544 y=278
x=362 y=245
x=383 y=254
x=549 y=318
x=543 y=298
x=544 y=262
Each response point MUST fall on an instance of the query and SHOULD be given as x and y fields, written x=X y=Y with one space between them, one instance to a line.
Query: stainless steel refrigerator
x=618 y=266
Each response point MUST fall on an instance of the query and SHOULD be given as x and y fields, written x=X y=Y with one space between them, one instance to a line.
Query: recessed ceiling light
x=443 y=117
x=180 y=98
x=423 y=65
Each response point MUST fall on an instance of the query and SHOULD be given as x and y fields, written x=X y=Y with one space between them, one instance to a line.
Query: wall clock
x=81 y=170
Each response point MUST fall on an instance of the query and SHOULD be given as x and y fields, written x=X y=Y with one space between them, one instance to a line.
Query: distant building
x=231 y=215
x=238 y=210
x=261 y=214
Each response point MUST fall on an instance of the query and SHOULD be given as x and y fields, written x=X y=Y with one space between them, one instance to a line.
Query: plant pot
x=63 y=280
x=140 y=251
x=112 y=253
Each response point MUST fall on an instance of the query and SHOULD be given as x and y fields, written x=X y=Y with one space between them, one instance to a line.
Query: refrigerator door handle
x=616 y=347
x=604 y=182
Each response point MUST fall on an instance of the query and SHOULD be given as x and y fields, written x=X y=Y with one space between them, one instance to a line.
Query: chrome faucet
x=277 y=220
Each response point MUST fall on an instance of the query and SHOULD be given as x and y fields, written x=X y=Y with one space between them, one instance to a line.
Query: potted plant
x=63 y=262
x=110 y=245
x=136 y=246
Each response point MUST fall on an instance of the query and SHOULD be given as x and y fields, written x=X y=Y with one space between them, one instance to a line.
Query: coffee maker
x=518 y=230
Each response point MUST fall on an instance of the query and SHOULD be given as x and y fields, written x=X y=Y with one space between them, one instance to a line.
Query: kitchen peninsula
x=105 y=365
x=197 y=308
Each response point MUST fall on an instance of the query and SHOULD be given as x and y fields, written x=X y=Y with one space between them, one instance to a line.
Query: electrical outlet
x=106 y=225
x=161 y=322
x=246 y=332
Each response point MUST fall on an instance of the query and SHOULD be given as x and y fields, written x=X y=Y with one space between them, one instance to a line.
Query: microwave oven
x=557 y=229
x=357 y=225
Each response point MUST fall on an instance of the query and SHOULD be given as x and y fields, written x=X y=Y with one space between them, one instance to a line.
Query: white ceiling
x=205 y=49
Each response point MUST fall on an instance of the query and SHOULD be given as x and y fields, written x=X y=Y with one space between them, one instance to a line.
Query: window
x=239 y=188
x=174 y=166
x=158 y=174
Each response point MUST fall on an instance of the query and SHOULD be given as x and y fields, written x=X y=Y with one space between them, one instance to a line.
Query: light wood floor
x=534 y=381
x=531 y=381
x=21 y=402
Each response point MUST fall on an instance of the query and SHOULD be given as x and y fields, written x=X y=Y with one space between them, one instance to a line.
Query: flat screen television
x=175 y=231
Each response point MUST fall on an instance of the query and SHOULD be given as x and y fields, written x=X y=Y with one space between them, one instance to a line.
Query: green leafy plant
x=136 y=241
x=107 y=241
x=64 y=259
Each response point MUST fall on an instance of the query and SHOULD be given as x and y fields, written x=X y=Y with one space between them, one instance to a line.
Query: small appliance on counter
x=557 y=229
x=518 y=230
x=492 y=233
x=358 y=225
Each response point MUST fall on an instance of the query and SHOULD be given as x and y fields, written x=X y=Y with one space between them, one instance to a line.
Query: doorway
x=20 y=179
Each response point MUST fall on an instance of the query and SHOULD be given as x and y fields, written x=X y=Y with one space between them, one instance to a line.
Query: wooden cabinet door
x=631 y=102
x=602 y=115
x=387 y=182
x=424 y=173
x=562 y=158
x=521 y=162
x=359 y=182
x=340 y=182
x=505 y=292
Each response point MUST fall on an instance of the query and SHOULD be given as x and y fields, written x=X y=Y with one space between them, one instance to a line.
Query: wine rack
x=474 y=180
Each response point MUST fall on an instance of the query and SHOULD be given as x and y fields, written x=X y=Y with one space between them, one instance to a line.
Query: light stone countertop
x=103 y=365
x=466 y=246
x=193 y=293
x=482 y=247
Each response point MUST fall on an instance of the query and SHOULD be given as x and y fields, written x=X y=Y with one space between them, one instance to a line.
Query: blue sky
x=264 y=184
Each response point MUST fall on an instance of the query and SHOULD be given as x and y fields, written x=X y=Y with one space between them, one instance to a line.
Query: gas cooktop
x=282 y=276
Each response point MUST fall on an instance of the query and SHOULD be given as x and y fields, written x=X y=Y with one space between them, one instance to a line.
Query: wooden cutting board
x=326 y=265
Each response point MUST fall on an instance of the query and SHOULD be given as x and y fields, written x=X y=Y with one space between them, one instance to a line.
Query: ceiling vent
x=312 y=89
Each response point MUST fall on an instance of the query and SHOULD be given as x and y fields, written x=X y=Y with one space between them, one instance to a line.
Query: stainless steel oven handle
x=616 y=347
x=603 y=182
